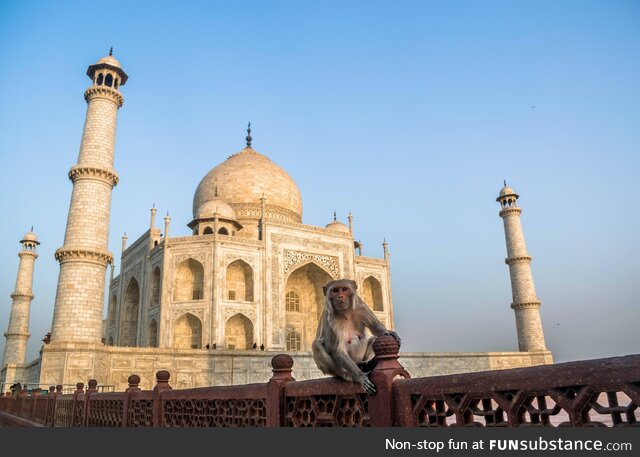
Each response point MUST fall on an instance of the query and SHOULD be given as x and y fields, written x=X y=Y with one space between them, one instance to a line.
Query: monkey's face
x=340 y=296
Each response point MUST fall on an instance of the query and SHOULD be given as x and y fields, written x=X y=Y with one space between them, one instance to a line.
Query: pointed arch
x=153 y=333
x=306 y=282
x=188 y=283
x=131 y=307
x=372 y=293
x=238 y=332
x=111 y=314
x=155 y=286
x=187 y=332
x=239 y=281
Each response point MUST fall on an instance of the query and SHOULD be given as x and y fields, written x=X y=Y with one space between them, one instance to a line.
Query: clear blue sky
x=408 y=114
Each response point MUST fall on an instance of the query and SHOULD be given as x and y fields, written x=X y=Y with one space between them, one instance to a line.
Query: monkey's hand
x=393 y=334
x=369 y=387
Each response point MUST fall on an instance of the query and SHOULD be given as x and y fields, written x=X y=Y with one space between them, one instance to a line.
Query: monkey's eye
x=345 y=289
x=335 y=290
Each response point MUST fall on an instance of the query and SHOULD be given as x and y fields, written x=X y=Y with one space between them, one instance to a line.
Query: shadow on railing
x=603 y=392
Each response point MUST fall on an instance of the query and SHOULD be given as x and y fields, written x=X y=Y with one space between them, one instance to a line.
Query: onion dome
x=337 y=225
x=507 y=191
x=243 y=179
x=111 y=63
x=212 y=207
x=30 y=237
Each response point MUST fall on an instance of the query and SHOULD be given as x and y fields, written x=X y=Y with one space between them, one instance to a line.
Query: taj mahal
x=213 y=307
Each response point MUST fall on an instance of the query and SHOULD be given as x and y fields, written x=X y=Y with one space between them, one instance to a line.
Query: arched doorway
x=238 y=333
x=239 y=282
x=153 y=333
x=187 y=332
x=372 y=293
x=189 y=281
x=155 y=287
x=304 y=302
x=131 y=307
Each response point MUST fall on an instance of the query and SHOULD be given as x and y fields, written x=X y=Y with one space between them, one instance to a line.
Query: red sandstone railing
x=603 y=392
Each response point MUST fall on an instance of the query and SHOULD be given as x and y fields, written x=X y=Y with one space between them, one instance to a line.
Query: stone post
x=282 y=366
x=381 y=405
x=134 y=386
x=162 y=384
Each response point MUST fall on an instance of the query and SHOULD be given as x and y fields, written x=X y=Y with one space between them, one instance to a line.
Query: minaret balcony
x=520 y=259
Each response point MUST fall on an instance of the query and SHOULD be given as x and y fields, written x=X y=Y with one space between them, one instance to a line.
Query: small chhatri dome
x=111 y=63
x=30 y=237
x=110 y=60
x=337 y=225
x=216 y=206
x=507 y=191
x=243 y=179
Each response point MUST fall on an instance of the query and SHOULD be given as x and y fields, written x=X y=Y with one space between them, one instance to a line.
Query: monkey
x=341 y=347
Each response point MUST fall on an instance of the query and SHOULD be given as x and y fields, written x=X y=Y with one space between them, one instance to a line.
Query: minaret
x=84 y=256
x=525 y=302
x=17 y=334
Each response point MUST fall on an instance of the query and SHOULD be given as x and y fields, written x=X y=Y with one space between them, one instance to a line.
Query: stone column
x=84 y=256
x=525 y=302
x=17 y=334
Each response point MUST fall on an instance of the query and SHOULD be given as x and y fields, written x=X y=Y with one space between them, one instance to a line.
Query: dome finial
x=334 y=216
x=111 y=51
x=249 y=135
x=32 y=228
x=505 y=182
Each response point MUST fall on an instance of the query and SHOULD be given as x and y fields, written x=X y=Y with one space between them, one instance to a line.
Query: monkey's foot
x=369 y=387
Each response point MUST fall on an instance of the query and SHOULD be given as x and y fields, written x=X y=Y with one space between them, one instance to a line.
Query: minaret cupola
x=107 y=72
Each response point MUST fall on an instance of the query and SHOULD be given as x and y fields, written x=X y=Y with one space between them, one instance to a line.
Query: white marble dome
x=243 y=179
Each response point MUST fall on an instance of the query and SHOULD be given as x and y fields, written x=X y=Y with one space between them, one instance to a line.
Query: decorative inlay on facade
x=295 y=258
x=82 y=172
x=135 y=272
x=362 y=275
x=530 y=305
x=180 y=258
x=250 y=313
x=230 y=258
x=198 y=312
x=275 y=213
x=521 y=259
x=104 y=92
x=85 y=255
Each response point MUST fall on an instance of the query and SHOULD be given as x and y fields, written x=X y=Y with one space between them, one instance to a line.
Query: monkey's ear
x=353 y=283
